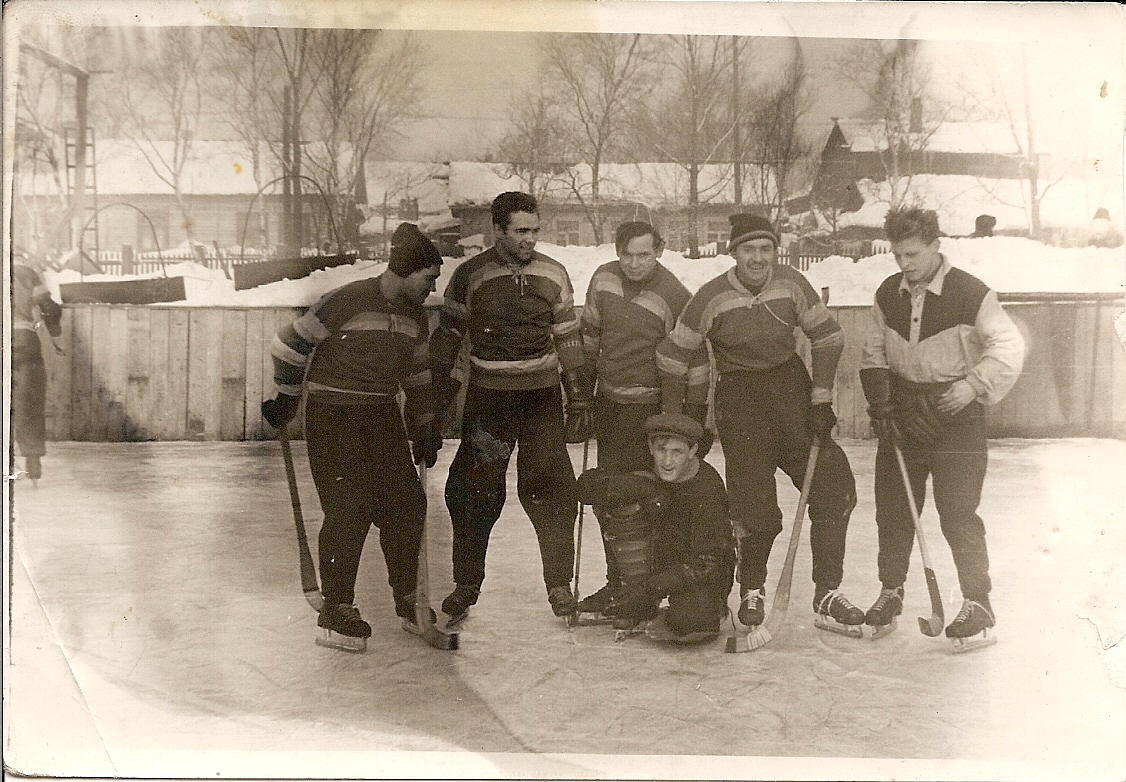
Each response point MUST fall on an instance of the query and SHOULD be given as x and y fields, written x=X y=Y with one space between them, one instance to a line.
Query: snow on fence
x=132 y=373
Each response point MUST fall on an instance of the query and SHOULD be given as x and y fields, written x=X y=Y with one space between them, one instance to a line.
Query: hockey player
x=631 y=305
x=31 y=303
x=516 y=306
x=353 y=351
x=669 y=530
x=767 y=411
x=942 y=348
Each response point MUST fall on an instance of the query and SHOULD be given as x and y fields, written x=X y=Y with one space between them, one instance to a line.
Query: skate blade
x=879 y=631
x=591 y=619
x=621 y=635
x=983 y=639
x=455 y=621
x=345 y=643
x=822 y=622
x=432 y=635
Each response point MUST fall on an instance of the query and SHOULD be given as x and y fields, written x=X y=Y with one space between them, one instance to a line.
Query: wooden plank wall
x=131 y=373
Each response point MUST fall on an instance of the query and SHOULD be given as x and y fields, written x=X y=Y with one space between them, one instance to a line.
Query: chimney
x=916 y=125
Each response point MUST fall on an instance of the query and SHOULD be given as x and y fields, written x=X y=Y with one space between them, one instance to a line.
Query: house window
x=567 y=232
x=717 y=231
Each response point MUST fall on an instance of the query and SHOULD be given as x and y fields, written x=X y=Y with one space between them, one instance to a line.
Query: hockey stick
x=933 y=626
x=423 y=616
x=308 y=572
x=768 y=629
x=579 y=537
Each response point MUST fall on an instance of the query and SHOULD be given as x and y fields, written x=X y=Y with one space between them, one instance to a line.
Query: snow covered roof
x=651 y=184
x=958 y=200
x=961 y=137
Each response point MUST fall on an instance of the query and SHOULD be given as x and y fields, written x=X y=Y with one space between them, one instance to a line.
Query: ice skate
x=591 y=610
x=881 y=617
x=405 y=610
x=625 y=627
x=835 y=614
x=658 y=630
x=456 y=605
x=972 y=628
x=752 y=607
x=562 y=603
x=342 y=628
x=34 y=469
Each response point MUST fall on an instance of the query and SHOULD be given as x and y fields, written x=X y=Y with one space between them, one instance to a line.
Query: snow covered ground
x=158 y=629
x=1008 y=264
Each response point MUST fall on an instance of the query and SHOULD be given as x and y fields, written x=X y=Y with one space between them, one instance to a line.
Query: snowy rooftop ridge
x=961 y=137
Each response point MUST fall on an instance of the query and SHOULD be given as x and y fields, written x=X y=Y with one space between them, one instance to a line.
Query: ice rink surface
x=156 y=627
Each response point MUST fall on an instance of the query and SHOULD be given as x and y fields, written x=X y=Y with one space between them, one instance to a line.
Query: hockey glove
x=920 y=421
x=876 y=383
x=884 y=425
x=280 y=410
x=579 y=423
x=822 y=419
x=426 y=441
x=700 y=414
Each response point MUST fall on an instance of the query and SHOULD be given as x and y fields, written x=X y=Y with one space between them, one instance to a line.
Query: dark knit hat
x=674 y=425
x=745 y=227
x=411 y=251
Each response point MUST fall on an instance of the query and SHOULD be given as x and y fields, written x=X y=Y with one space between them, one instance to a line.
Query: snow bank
x=1008 y=264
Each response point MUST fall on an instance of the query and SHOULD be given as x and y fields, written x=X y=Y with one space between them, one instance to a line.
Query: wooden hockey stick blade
x=761 y=636
x=315 y=599
x=932 y=626
x=423 y=616
x=305 y=558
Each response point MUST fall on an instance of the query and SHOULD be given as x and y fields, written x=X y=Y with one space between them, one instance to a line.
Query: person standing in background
x=31 y=304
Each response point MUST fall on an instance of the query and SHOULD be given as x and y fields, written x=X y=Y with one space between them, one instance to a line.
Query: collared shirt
x=952 y=329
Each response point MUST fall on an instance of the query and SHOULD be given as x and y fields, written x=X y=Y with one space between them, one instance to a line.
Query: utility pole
x=736 y=129
x=77 y=202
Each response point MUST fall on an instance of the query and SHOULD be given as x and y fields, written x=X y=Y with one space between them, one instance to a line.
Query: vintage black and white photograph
x=655 y=389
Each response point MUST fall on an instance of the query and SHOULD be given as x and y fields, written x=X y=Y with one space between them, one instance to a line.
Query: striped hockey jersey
x=519 y=318
x=622 y=324
x=355 y=345
x=749 y=331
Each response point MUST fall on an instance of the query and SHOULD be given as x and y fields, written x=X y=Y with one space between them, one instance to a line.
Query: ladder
x=91 y=237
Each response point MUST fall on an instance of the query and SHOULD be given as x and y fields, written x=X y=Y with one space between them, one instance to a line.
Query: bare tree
x=41 y=220
x=773 y=137
x=1004 y=91
x=596 y=78
x=156 y=100
x=688 y=122
x=367 y=82
x=534 y=149
x=895 y=79
x=244 y=73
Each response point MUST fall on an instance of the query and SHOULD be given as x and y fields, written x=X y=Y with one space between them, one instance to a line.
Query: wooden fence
x=132 y=373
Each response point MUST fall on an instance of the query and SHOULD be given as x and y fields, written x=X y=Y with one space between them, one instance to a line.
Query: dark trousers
x=956 y=464
x=622 y=447
x=362 y=468
x=494 y=423
x=762 y=419
x=701 y=607
x=29 y=394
